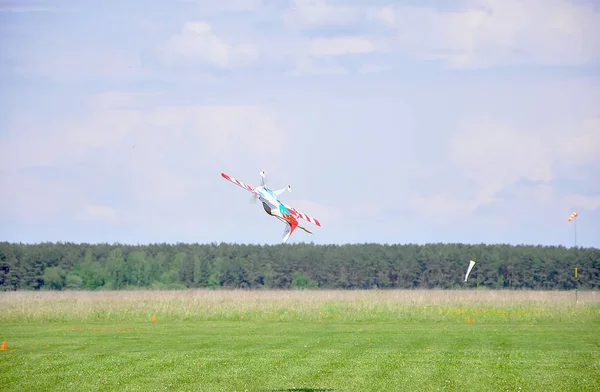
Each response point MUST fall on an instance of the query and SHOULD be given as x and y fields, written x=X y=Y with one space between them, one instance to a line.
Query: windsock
x=471 y=264
x=572 y=216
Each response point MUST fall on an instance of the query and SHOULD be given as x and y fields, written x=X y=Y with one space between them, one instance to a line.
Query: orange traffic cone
x=154 y=318
x=3 y=347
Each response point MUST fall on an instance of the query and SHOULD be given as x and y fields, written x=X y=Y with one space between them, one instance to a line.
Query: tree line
x=60 y=266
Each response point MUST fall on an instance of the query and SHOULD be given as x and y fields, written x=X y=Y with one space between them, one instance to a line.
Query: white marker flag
x=471 y=264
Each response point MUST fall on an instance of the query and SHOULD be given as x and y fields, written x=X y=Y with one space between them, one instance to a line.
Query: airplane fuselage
x=271 y=203
x=274 y=207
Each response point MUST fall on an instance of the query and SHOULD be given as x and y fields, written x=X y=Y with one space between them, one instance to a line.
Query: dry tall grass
x=319 y=305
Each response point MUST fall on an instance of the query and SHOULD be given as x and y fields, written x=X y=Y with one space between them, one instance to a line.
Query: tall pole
x=573 y=217
x=576 y=279
x=575 y=226
x=575 y=230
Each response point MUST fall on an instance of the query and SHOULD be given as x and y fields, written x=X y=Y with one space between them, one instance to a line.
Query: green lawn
x=303 y=342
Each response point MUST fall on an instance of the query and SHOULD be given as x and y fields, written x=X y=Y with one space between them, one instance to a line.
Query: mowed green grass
x=303 y=341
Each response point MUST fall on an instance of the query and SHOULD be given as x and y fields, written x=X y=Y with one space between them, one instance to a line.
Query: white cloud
x=157 y=157
x=340 y=46
x=121 y=100
x=374 y=68
x=580 y=145
x=100 y=213
x=442 y=207
x=486 y=33
x=308 y=65
x=521 y=206
x=25 y=8
x=226 y=6
x=197 y=43
x=86 y=64
x=588 y=203
x=60 y=64
x=499 y=32
x=158 y=150
x=32 y=199
x=306 y=14
x=488 y=158
x=384 y=15
x=481 y=149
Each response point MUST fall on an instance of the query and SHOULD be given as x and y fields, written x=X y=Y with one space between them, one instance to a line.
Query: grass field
x=300 y=341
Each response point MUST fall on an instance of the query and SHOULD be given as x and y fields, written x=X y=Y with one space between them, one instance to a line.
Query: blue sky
x=394 y=122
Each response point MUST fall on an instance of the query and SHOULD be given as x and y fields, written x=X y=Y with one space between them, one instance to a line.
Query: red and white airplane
x=274 y=207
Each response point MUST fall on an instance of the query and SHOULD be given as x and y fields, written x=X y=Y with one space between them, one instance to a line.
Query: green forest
x=71 y=266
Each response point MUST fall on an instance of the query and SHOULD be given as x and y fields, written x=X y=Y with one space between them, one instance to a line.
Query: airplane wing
x=238 y=183
x=302 y=215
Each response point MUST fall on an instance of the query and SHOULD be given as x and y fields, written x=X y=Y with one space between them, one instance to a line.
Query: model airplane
x=274 y=207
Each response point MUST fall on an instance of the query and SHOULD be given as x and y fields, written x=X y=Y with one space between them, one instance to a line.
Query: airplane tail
x=287 y=232
x=290 y=225
x=289 y=229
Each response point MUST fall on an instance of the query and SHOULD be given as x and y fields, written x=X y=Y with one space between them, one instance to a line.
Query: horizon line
x=221 y=243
